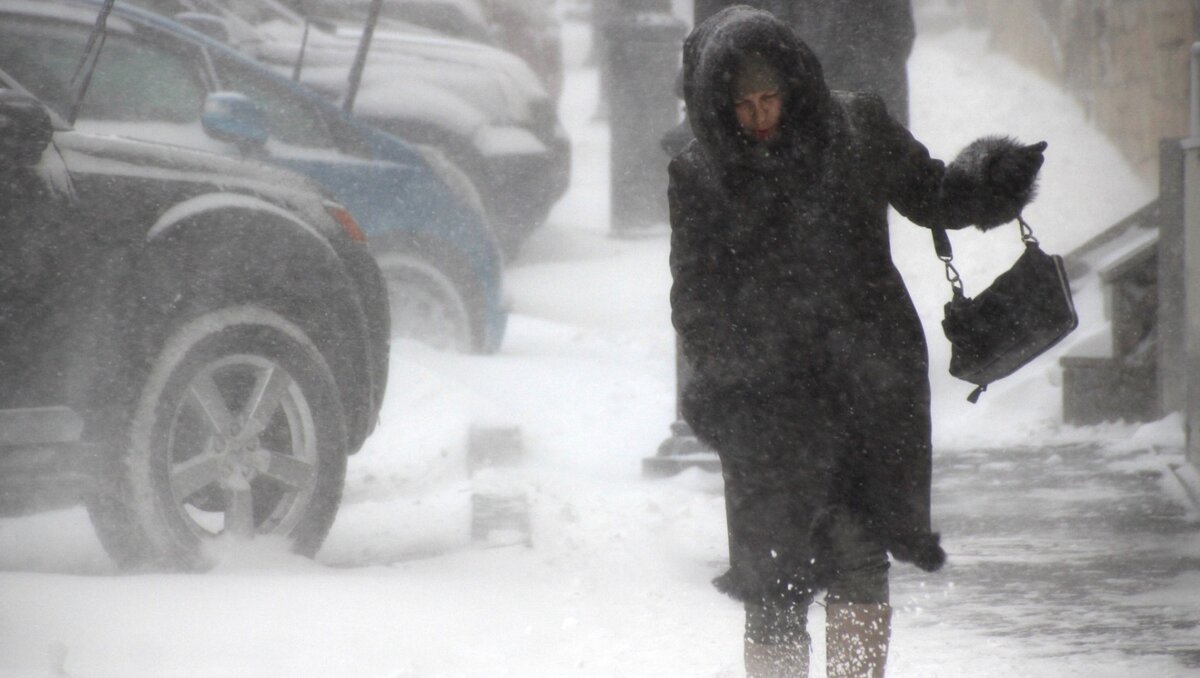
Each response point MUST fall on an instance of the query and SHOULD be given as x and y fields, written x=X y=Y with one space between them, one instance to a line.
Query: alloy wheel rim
x=241 y=449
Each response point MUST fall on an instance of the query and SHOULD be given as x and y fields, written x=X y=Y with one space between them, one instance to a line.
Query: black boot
x=777 y=641
x=782 y=660
x=856 y=639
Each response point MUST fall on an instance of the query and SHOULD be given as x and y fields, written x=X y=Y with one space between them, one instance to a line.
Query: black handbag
x=1023 y=313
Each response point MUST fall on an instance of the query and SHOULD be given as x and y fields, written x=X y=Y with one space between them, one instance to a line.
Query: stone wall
x=1126 y=61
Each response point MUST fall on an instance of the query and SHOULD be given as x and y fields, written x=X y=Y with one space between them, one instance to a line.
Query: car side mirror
x=235 y=118
x=210 y=25
x=25 y=128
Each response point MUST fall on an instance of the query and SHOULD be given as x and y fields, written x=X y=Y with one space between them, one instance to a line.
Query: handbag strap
x=941 y=245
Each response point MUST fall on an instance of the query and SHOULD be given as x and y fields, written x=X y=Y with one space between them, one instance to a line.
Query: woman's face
x=758 y=113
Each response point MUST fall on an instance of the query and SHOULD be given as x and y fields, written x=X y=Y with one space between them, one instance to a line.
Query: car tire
x=236 y=428
x=426 y=305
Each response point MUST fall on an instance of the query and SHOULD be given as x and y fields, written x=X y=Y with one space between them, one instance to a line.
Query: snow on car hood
x=393 y=92
x=427 y=103
x=445 y=48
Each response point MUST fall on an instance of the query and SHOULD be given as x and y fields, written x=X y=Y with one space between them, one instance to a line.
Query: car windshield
x=42 y=65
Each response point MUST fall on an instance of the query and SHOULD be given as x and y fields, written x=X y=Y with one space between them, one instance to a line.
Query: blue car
x=160 y=81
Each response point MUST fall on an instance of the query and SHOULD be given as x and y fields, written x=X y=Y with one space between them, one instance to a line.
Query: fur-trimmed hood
x=710 y=60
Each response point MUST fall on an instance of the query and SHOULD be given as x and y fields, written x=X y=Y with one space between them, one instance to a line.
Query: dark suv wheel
x=237 y=429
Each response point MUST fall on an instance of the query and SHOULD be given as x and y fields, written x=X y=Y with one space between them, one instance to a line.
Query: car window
x=290 y=118
x=136 y=80
x=42 y=57
x=133 y=81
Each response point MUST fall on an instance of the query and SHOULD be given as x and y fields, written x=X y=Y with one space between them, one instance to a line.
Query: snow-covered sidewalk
x=1067 y=557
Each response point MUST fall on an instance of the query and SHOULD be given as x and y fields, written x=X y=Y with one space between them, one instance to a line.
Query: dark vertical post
x=681 y=449
x=1171 y=353
x=643 y=52
x=603 y=12
x=1191 y=259
x=702 y=9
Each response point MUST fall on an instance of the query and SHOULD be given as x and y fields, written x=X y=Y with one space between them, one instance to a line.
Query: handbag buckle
x=1026 y=232
x=952 y=275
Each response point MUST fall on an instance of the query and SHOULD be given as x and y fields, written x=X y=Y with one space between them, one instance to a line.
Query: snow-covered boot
x=856 y=639
x=783 y=660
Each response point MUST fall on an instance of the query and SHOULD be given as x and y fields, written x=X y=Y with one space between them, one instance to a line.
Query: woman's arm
x=987 y=184
x=697 y=297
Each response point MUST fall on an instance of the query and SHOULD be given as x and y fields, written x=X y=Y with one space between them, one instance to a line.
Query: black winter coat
x=810 y=365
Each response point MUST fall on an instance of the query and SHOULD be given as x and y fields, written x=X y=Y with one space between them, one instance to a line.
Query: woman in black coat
x=810 y=365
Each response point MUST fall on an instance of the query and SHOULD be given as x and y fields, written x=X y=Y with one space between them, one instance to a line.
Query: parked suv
x=159 y=81
x=190 y=344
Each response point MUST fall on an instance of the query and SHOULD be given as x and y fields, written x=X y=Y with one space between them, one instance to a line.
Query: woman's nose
x=759 y=114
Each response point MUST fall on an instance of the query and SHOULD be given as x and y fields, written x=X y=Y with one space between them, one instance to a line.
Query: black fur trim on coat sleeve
x=992 y=180
x=923 y=550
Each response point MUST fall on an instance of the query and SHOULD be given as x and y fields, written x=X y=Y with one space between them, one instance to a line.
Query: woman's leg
x=775 y=478
x=857 y=613
x=769 y=524
x=777 y=642
x=769 y=537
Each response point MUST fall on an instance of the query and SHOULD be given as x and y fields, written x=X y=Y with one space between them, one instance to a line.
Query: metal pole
x=681 y=449
x=1194 y=118
x=1191 y=254
x=360 y=59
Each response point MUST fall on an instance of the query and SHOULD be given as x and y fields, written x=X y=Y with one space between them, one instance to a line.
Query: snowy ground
x=1068 y=555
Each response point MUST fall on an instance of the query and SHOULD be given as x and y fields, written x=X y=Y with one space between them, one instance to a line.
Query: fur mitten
x=993 y=179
